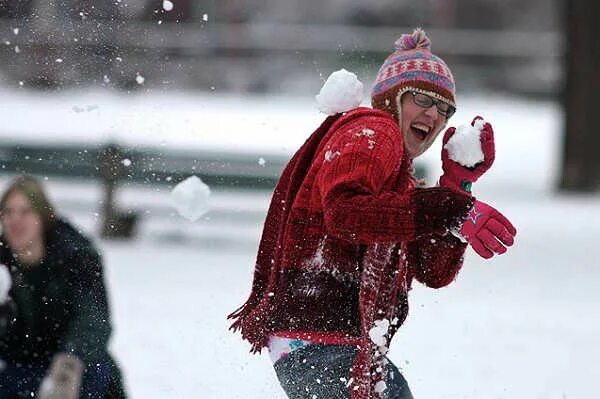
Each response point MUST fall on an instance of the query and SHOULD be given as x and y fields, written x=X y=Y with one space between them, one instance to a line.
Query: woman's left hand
x=459 y=177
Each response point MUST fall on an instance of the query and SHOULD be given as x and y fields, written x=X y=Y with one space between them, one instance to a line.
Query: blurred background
x=112 y=103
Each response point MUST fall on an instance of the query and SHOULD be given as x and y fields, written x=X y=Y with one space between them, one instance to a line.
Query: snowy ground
x=524 y=325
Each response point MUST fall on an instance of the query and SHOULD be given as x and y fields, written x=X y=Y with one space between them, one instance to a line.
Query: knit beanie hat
x=412 y=66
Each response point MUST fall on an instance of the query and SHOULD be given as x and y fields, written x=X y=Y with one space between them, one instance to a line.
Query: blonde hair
x=32 y=189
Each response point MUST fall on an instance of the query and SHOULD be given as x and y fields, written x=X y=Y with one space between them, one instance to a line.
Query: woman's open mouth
x=420 y=130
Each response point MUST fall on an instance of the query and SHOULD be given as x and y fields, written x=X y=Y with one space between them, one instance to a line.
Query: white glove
x=5 y=284
x=63 y=379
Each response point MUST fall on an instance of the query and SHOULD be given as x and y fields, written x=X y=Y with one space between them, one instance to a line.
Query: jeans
x=322 y=371
x=21 y=380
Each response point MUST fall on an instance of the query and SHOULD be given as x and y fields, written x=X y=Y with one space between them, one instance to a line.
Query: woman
x=56 y=345
x=348 y=230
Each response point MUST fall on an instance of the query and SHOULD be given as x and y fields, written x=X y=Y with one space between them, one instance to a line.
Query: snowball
x=190 y=198
x=126 y=162
x=479 y=124
x=380 y=386
x=5 y=283
x=139 y=79
x=464 y=146
x=378 y=332
x=167 y=5
x=341 y=92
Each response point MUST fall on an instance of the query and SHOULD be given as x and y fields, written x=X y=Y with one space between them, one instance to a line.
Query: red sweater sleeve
x=357 y=161
x=436 y=260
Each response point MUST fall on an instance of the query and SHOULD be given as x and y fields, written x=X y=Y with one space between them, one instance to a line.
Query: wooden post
x=114 y=222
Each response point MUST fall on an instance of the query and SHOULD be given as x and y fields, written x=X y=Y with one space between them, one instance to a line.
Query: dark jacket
x=61 y=303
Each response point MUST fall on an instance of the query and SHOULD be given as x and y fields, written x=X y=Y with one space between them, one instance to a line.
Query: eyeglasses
x=425 y=101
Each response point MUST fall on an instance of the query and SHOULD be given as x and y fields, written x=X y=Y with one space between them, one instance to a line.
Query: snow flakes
x=17 y=49
x=190 y=198
x=379 y=332
x=126 y=162
x=464 y=146
x=367 y=132
x=380 y=386
x=331 y=155
x=205 y=17
x=341 y=92
x=167 y=5
x=5 y=283
x=139 y=79
x=261 y=161
x=317 y=259
x=16 y=31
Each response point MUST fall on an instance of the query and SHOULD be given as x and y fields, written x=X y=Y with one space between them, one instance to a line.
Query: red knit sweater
x=345 y=235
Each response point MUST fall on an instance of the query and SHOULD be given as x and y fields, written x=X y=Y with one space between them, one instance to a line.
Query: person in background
x=349 y=229
x=54 y=344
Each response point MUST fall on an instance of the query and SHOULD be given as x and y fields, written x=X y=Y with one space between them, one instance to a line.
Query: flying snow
x=190 y=198
x=464 y=146
x=5 y=283
x=167 y=5
x=139 y=79
x=379 y=332
x=341 y=92
x=380 y=386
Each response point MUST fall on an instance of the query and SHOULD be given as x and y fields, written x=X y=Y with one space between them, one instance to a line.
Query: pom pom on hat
x=417 y=40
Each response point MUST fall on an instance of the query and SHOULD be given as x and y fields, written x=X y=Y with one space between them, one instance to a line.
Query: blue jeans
x=322 y=371
x=21 y=380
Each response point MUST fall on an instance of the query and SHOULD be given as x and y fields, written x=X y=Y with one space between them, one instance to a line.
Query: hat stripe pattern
x=430 y=77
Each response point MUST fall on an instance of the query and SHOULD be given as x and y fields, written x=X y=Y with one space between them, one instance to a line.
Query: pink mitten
x=459 y=177
x=487 y=230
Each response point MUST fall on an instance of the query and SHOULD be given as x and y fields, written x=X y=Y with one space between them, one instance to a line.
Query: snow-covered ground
x=524 y=325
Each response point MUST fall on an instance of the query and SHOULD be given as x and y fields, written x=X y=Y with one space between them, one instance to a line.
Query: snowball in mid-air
x=167 y=5
x=379 y=332
x=341 y=92
x=464 y=146
x=190 y=198
x=5 y=283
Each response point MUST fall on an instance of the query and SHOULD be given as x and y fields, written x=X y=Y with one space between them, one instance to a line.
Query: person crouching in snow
x=348 y=230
